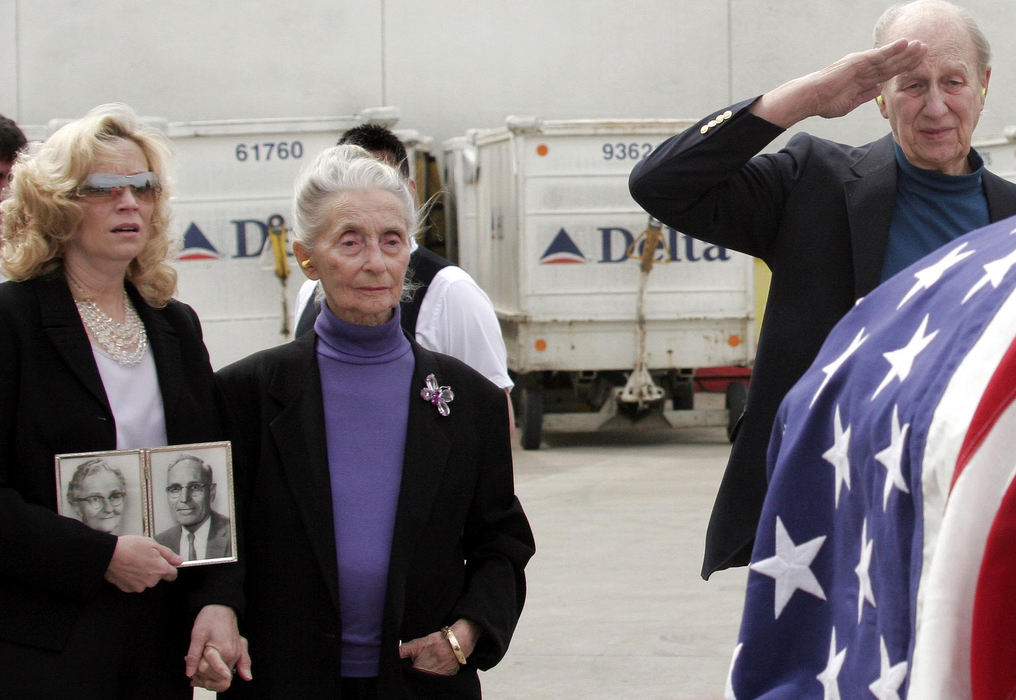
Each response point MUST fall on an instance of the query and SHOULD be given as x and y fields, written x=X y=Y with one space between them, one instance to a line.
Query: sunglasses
x=144 y=186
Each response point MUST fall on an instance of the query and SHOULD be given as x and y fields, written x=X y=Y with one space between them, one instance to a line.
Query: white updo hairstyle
x=342 y=169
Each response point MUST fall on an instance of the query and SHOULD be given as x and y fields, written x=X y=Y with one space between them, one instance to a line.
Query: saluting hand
x=838 y=89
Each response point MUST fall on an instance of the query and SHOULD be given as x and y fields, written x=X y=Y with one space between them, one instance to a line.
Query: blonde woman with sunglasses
x=96 y=355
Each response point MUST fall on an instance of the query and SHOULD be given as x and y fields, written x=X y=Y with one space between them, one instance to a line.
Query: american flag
x=885 y=559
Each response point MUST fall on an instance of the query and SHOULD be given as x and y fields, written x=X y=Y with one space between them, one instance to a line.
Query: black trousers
x=359 y=688
x=123 y=646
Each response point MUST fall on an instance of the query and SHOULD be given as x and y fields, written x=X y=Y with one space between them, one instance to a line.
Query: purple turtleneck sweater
x=365 y=376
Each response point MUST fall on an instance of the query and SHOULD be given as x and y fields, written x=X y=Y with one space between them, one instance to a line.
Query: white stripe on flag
x=956 y=524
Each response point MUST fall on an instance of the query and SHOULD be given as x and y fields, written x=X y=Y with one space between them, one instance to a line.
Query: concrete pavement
x=616 y=608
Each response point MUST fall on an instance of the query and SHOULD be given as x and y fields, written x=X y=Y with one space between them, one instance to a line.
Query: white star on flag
x=994 y=273
x=830 y=675
x=902 y=360
x=790 y=567
x=892 y=459
x=728 y=691
x=890 y=678
x=839 y=455
x=864 y=591
x=927 y=277
x=830 y=369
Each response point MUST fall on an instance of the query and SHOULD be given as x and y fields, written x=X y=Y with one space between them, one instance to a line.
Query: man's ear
x=302 y=256
x=880 y=101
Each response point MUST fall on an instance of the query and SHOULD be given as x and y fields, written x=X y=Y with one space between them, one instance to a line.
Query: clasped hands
x=216 y=647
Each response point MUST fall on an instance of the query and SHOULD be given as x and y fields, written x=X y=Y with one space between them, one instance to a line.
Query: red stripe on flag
x=992 y=638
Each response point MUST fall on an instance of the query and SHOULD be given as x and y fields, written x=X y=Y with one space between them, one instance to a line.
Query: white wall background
x=448 y=65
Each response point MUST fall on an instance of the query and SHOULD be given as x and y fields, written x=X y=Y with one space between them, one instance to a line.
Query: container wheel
x=532 y=417
x=736 y=395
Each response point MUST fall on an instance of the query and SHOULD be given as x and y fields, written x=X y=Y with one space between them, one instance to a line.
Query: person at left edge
x=97 y=356
x=12 y=140
x=382 y=542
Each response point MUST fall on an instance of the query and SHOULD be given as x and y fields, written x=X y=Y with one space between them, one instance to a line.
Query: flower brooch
x=440 y=396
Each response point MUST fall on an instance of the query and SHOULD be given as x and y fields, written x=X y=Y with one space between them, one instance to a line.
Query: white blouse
x=136 y=400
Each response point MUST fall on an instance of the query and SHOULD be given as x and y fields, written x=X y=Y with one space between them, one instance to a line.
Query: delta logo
x=615 y=242
x=562 y=251
x=249 y=238
x=196 y=246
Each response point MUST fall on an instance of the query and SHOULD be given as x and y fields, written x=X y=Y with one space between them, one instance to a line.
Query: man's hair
x=380 y=141
x=206 y=471
x=12 y=139
x=982 y=48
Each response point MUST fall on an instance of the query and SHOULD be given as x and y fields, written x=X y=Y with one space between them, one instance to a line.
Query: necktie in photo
x=191 y=554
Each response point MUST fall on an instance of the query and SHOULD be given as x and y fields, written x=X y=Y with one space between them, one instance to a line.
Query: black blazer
x=52 y=401
x=460 y=543
x=818 y=214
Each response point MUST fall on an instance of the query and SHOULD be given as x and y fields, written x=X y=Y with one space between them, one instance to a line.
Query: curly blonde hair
x=42 y=212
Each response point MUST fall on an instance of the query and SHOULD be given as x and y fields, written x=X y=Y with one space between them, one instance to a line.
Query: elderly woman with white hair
x=382 y=539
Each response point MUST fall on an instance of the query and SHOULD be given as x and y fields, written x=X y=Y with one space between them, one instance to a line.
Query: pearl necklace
x=125 y=342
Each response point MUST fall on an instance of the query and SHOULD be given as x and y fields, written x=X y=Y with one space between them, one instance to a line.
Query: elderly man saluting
x=831 y=221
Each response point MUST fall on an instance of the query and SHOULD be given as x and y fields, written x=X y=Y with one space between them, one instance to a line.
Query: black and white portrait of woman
x=105 y=493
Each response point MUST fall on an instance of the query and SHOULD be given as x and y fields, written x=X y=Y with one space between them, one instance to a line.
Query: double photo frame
x=180 y=495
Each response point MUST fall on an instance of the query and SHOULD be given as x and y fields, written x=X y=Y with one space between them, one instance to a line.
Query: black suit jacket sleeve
x=192 y=415
x=711 y=186
x=39 y=550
